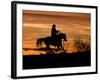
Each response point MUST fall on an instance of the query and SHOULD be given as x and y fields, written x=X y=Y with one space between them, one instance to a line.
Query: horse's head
x=63 y=36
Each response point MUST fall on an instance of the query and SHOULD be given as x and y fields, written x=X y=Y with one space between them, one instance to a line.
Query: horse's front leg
x=62 y=49
x=59 y=48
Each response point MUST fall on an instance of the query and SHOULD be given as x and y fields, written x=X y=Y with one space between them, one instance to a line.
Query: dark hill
x=57 y=60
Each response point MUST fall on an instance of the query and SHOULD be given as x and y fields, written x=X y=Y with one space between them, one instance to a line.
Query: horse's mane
x=62 y=34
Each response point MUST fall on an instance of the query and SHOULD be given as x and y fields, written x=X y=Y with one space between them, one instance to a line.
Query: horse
x=57 y=41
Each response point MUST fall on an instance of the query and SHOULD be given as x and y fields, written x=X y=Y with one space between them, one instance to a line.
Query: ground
x=56 y=60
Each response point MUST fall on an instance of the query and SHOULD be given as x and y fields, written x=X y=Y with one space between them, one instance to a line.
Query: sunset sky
x=37 y=24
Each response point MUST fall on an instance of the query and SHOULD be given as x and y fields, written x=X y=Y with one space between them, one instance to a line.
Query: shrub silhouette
x=81 y=46
x=66 y=45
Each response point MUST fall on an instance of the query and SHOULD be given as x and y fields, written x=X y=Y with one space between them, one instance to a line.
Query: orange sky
x=37 y=24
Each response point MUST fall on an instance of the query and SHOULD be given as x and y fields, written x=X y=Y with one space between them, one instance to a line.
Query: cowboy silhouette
x=54 y=32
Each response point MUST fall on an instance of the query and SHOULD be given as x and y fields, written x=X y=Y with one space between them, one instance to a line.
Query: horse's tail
x=39 y=42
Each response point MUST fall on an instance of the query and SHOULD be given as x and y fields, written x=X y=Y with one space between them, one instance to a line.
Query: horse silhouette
x=57 y=41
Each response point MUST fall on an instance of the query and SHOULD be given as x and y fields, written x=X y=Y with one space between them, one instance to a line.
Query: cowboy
x=54 y=32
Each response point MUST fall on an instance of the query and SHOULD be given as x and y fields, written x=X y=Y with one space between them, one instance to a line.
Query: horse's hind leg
x=49 y=50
